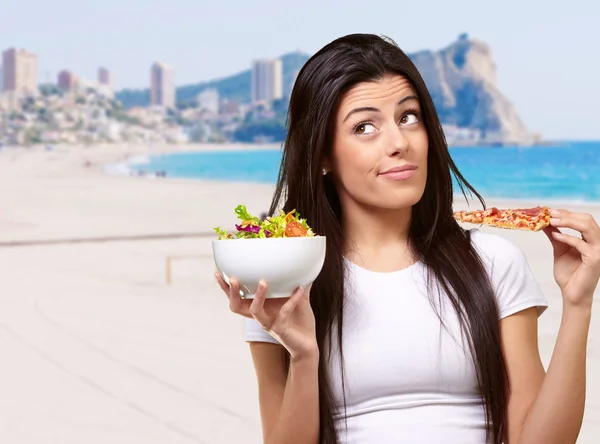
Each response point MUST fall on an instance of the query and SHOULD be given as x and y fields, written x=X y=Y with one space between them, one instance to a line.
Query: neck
x=377 y=239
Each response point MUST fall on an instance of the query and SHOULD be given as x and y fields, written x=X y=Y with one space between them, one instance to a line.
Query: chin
x=400 y=199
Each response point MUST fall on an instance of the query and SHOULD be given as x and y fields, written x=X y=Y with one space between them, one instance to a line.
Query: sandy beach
x=99 y=348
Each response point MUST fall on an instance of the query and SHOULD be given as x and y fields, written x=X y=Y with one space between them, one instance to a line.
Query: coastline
x=130 y=357
x=139 y=154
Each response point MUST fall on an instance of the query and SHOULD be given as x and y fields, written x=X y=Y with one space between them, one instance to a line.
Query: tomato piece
x=295 y=229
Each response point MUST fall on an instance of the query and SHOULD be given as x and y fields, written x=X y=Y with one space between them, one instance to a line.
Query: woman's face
x=379 y=157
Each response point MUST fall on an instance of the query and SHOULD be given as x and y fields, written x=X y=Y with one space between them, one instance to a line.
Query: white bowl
x=283 y=263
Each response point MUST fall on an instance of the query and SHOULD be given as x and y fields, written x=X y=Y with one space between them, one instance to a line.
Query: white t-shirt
x=407 y=379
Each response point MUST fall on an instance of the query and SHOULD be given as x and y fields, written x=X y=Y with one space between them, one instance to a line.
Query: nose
x=397 y=143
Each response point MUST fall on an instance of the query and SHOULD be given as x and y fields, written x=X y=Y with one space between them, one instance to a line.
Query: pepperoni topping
x=532 y=211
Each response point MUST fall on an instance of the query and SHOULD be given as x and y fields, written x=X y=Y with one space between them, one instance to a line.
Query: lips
x=399 y=169
x=399 y=173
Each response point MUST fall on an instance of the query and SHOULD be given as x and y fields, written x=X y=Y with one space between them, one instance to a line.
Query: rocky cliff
x=462 y=80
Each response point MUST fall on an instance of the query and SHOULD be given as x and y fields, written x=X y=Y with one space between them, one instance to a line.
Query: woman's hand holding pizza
x=576 y=258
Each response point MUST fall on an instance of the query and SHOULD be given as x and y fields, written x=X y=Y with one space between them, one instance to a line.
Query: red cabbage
x=252 y=229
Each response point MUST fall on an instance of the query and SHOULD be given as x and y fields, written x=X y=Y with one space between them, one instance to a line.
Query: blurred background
x=128 y=130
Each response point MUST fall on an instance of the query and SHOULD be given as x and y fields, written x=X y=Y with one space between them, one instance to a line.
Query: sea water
x=562 y=171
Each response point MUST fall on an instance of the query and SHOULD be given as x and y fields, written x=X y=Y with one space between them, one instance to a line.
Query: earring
x=324 y=172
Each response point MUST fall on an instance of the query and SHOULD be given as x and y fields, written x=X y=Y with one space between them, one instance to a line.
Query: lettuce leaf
x=222 y=233
x=242 y=213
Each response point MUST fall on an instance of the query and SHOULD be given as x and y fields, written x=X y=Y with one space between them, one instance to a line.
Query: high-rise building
x=67 y=80
x=20 y=71
x=106 y=81
x=267 y=80
x=162 y=85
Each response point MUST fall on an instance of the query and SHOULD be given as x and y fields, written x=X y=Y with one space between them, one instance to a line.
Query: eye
x=409 y=118
x=363 y=128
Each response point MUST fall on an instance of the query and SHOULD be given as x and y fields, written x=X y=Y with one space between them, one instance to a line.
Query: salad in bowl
x=282 y=250
x=251 y=227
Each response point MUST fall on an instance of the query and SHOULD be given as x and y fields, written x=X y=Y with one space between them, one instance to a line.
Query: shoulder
x=497 y=252
x=494 y=247
x=511 y=277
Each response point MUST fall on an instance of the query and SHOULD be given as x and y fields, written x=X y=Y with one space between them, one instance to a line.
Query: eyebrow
x=377 y=110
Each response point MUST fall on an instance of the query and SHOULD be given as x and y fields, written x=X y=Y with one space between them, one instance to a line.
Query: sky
x=547 y=53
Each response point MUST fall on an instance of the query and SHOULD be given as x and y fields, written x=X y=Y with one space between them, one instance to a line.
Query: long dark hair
x=442 y=245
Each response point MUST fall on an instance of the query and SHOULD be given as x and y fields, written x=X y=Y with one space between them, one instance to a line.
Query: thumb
x=559 y=248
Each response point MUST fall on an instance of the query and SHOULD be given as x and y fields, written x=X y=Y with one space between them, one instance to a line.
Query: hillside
x=235 y=87
x=461 y=78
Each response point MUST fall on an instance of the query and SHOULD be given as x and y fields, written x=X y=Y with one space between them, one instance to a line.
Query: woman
x=416 y=330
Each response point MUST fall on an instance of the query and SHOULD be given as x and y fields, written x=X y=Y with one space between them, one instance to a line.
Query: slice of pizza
x=527 y=219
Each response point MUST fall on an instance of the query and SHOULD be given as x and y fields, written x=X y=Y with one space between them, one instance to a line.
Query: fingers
x=287 y=308
x=584 y=223
x=559 y=248
x=224 y=286
x=235 y=301
x=573 y=241
x=257 y=307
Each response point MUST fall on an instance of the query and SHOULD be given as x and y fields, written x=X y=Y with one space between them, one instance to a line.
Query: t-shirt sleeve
x=253 y=332
x=511 y=276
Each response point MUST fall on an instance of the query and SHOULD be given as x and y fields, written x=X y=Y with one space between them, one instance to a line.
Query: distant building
x=162 y=85
x=67 y=80
x=230 y=107
x=461 y=136
x=19 y=71
x=267 y=80
x=208 y=100
x=106 y=81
